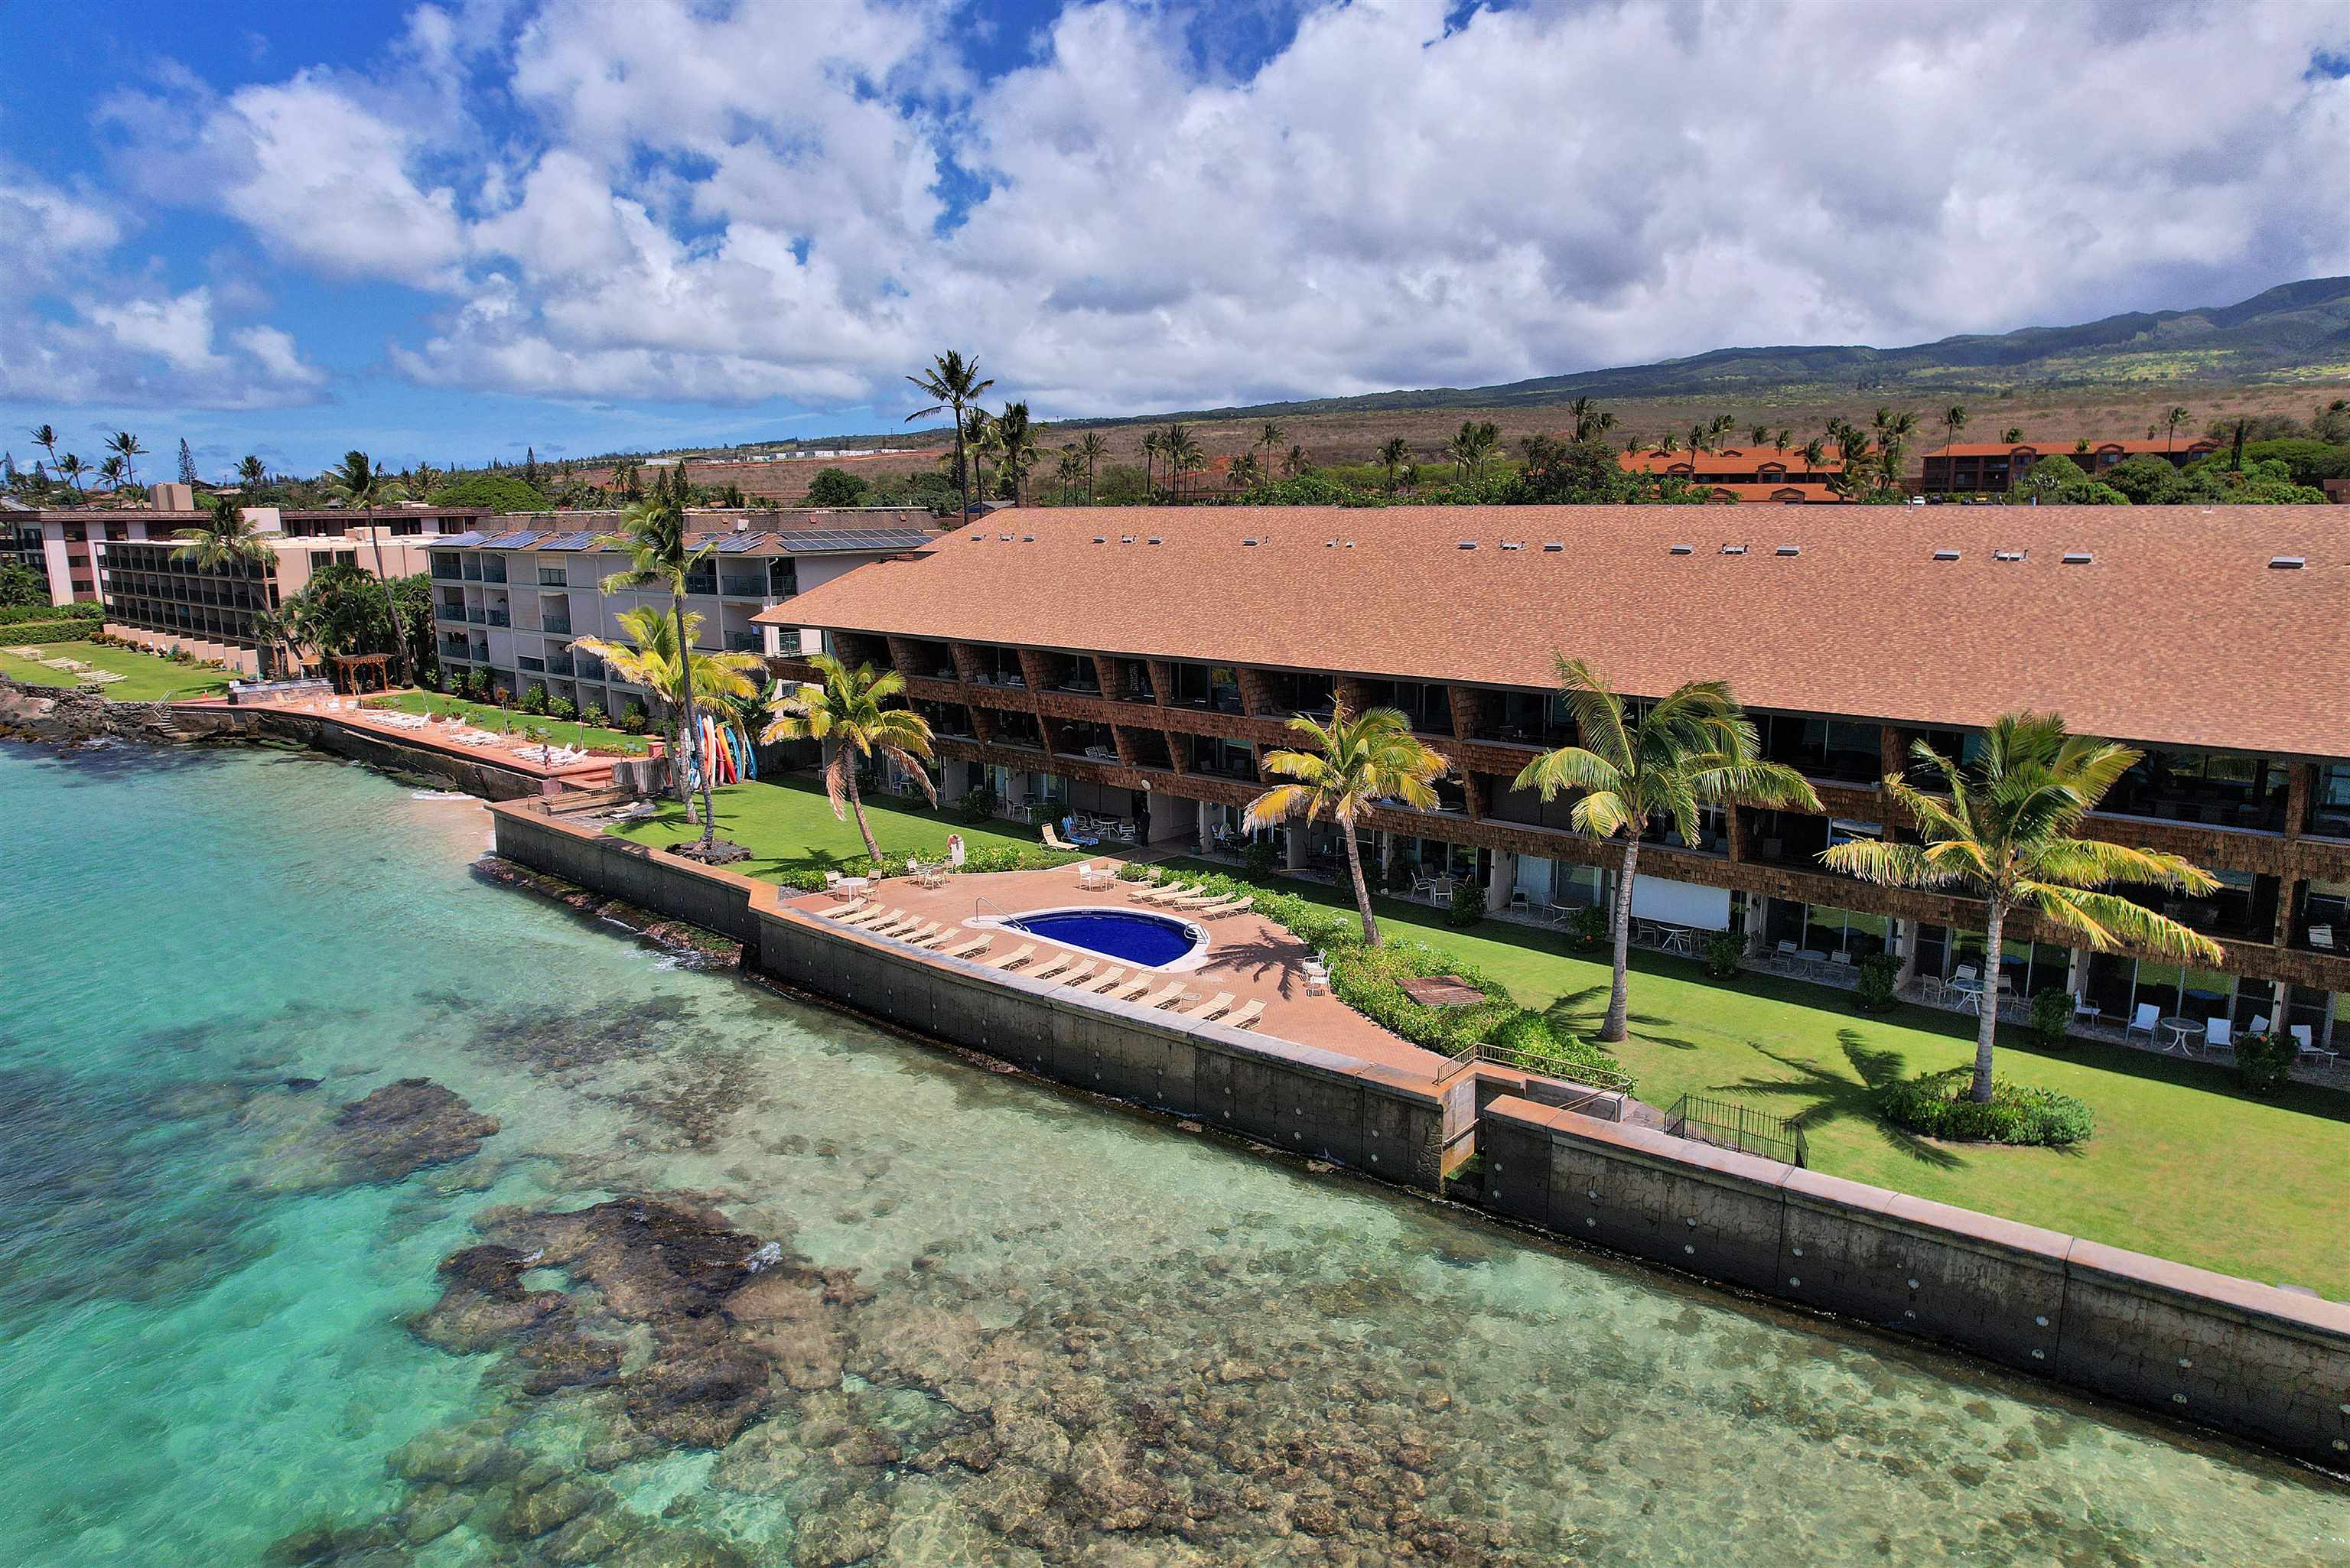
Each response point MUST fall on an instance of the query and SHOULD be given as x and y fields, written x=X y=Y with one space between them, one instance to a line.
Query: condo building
x=510 y=602
x=1767 y=474
x=1138 y=662
x=1995 y=467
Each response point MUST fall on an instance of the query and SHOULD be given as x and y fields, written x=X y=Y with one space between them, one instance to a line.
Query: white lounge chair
x=1317 y=977
x=1129 y=992
x=1080 y=974
x=970 y=950
x=915 y=936
x=1218 y=911
x=2304 y=1040
x=1101 y=982
x=1250 y=1012
x=2145 y=1021
x=1018 y=955
x=867 y=915
x=1053 y=966
x=843 y=911
x=2321 y=937
x=1164 y=994
x=1220 y=1002
x=1052 y=839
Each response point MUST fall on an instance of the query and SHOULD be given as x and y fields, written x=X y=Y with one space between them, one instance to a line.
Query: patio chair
x=1318 y=977
x=1163 y=995
x=1220 y=1002
x=1171 y=893
x=1018 y=955
x=1140 y=891
x=1964 y=972
x=1190 y=901
x=1053 y=840
x=2145 y=1021
x=1783 y=957
x=1227 y=907
x=1053 y=966
x=1101 y=982
x=899 y=920
x=1078 y=840
x=940 y=938
x=970 y=950
x=1249 y=1013
x=2217 y=1036
x=915 y=936
x=1128 y=992
x=2306 y=1048
x=2259 y=1026
x=1078 y=976
x=2321 y=937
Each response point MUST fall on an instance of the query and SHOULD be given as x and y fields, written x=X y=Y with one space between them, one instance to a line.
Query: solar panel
x=735 y=545
x=578 y=540
x=801 y=542
x=521 y=541
x=474 y=538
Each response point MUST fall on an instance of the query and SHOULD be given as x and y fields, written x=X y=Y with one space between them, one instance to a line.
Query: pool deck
x=437 y=735
x=1248 y=956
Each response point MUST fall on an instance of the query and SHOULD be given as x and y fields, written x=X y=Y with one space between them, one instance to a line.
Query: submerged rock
x=483 y=1304
x=396 y=1131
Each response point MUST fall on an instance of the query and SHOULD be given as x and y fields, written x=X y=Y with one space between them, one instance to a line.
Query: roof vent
x=2078 y=558
x=1552 y=546
x=1104 y=539
x=1157 y=540
x=1248 y=541
x=1026 y=538
x=1946 y=554
x=1126 y=539
x=1005 y=537
x=1733 y=549
x=1790 y=550
x=1684 y=549
x=2009 y=555
x=1329 y=544
x=2287 y=563
x=1513 y=544
x=979 y=535
x=1467 y=544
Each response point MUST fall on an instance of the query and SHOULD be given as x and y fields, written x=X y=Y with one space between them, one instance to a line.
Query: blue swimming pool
x=1127 y=935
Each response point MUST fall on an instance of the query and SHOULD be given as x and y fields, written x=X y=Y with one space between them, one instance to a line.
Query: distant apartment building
x=71 y=539
x=153 y=598
x=1767 y=473
x=1993 y=468
x=510 y=604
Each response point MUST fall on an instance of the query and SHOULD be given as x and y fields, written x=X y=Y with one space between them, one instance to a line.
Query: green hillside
x=2296 y=331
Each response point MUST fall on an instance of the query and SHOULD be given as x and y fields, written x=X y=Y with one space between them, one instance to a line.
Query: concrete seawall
x=2251 y=1359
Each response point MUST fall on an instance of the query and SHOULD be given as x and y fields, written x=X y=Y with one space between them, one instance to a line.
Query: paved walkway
x=438 y=735
x=1248 y=956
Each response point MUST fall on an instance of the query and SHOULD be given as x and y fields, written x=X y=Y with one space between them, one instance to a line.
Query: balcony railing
x=744 y=642
x=744 y=587
x=559 y=664
x=449 y=612
x=557 y=625
x=500 y=618
x=476 y=614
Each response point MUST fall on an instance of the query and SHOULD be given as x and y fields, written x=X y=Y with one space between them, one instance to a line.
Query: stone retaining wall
x=2252 y=1359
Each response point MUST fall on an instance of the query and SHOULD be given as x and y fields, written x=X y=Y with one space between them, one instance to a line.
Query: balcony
x=701 y=583
x=476 y=614
x=743 y=588
x=500 y=618
x=449 y=612
x=560 y=664
x=745 y=642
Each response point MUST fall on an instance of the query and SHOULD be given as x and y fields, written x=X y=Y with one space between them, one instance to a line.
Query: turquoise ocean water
x=1074 y=1336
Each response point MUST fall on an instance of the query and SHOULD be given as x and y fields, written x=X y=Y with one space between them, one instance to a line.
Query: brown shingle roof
x=2177 y=632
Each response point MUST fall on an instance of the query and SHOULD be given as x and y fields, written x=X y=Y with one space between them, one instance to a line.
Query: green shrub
x=1723 y=950
x=32 y=631
x=534 y=700
x=1260 y=857
x=1876 y=974
x=976 y=803
x=1540 y=1048
x=1467 y=907
x=1936 y=1106
x=595 y=718
x=1136 y=871
x=2264 y=1062
x=80 y=610
x=2052 y=1015
x=634 y=720
x=1588 y=926
x=562 y=707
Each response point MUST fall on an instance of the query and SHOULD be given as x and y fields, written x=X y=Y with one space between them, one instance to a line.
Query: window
x=552 y=578
x=2329 y=805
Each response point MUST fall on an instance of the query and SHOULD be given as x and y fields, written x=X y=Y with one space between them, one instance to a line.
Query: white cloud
x=152 y=350
x=672 y=201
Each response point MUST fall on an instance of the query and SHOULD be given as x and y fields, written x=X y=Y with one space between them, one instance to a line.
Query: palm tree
x=1757 y=435
x=1954 y=419
x=125 y=445
x=1268 y=436
x=1294 y=465
x=112 y=471
x=70 y=468
x=1016 y=447
x=2171 y=421
x=845 y=713
x=1394 y=454
x=1243 y=472
x=1152 y=445
x=1815 y=452
x=222 y=542
x=952 y=382
x=2012 y=435
x=1694 y=748
x=1784 y=436
x=649 y=658
x=47 y=440
x=1092 y=449
x=977 y=433
x=652 y=533
x=363 y=486
x=1668 y=444
x=1184 y=456
x=1356 y=761
x=2005 y=835
x=252 y=473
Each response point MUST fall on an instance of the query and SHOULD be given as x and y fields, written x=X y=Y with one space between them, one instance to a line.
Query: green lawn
x=788 y=825
x=2182 y=1166
x=146 y=677
x=488 y=716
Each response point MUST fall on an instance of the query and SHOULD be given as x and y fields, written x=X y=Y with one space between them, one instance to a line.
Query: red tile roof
x=1777 y=491
x=2177 y=632
x=1728 y=460
x=2065 y=448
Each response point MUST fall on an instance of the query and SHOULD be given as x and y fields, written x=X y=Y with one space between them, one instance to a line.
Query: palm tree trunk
x=1619 y=996
x=692 y=724
x=1987 y=1026
x=1362 y=889
x=390 y=605
x=962 y=474
x=857 y=805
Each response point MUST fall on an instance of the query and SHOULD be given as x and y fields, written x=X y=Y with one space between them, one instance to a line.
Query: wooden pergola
x=351 y=671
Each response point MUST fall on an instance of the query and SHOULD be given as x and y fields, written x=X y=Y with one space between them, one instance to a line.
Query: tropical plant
x=952 y=382
x=125 y=445
x=1016 y=447
x=2170 y=423
x=2005 y=835
x=252 y=473
x=1297 y=466
x=1154 y=445
x=1091 y=450
x=222 y=542
x=647 y=656
x=652 y=533
x=363 y=485
x=1269 y=436
x=844 y=713
x=70 y=468
x=2012 y=435
x=1182 y=455
x=1395 y=454
x=1356 y=760
x=46 y=437
x=1695 y=747
x=114 y=471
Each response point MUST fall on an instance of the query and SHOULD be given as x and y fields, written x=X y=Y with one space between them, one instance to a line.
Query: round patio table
x=2181 y=1031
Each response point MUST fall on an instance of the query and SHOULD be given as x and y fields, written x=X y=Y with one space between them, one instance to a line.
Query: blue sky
x=448 y=231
